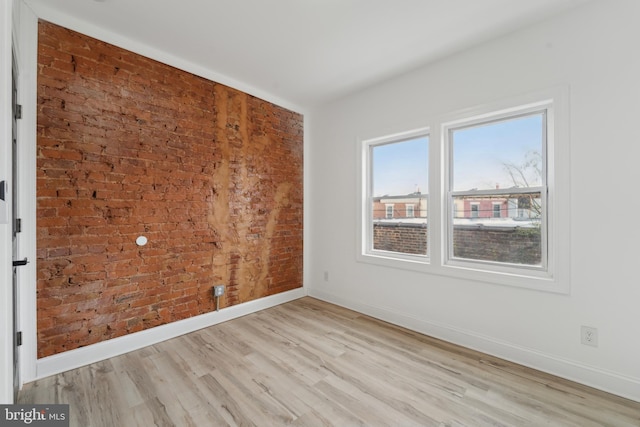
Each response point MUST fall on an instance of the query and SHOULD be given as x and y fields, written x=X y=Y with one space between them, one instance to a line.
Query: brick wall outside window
x=502 y=244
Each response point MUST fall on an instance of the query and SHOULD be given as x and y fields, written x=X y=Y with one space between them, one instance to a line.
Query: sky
x=480 y=154
x=401 y=167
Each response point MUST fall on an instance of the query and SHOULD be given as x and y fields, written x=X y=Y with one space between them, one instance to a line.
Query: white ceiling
x=305 y=52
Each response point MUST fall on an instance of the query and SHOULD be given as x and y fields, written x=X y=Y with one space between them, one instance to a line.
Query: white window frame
x=366 y=253
x=472 y=211
x=388 y=211
x=546 y=109
x=493 y=209
x=410 y=211
x=555 y=277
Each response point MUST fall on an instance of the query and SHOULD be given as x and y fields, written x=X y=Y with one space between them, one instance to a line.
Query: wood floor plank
x=310 y=363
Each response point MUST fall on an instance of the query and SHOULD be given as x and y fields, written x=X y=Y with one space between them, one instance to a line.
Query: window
x=389 y=211
x=490 y=160
x=496 y=210
x=410 y=211
x=475 y=210
x=396 y=171
x=484 y=193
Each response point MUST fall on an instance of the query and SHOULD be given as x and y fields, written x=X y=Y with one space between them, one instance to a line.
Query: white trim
x=476 y=211
x=493 y=210
x=27 y=93
x=485 y=116
x=409 y=208
x=605 y=380
x=72 y=359
x=6 y=270
x=364 y=234
x=307 y=211
x=386 y=210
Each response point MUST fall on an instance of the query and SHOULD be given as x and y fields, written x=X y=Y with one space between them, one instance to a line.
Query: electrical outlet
x=589 y=336
x=218 y=290
x=326 y=276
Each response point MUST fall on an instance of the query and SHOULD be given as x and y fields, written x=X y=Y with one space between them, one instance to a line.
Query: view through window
x=477 y=194
x=398 y=202
x=497 y=190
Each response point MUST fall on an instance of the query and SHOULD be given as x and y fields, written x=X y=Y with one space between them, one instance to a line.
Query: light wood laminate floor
x=309 y=363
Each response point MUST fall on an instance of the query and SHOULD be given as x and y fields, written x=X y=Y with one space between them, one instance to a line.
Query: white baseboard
x=72 y=359
x=611 y=382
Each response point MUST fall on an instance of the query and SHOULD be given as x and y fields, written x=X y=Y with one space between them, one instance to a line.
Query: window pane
x=501 y=154
x=389 y=211
x=399 y=181
x=497 y=184
x=410 y=211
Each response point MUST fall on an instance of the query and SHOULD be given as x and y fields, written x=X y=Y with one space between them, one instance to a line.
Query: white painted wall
x=594 y=49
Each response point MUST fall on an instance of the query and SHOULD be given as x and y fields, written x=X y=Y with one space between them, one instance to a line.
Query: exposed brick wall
x=503 y=244
x=127 y=147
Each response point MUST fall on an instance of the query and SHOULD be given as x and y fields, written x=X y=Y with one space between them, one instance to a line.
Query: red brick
x=127 y=147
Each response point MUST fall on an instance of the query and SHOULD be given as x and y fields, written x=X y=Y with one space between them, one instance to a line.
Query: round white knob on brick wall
x=141 y=241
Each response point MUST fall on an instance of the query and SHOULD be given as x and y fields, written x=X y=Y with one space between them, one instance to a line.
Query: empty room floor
x=310 y=363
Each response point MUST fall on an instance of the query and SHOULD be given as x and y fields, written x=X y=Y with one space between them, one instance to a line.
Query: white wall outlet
x=589 y=336
x=218 y=290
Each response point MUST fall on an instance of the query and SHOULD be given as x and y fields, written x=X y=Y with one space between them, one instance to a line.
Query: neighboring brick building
x=412 y=205
x=481 y=207
x=513 y=206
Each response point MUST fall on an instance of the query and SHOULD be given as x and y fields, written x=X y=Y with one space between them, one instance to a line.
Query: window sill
x=536 y=280
x=419 y=263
